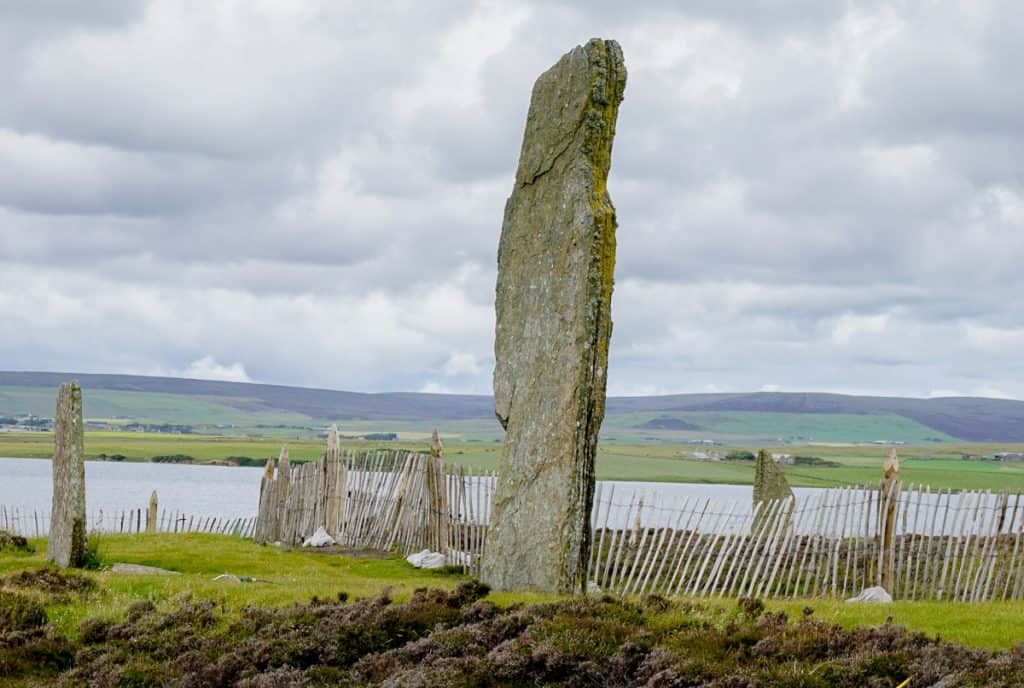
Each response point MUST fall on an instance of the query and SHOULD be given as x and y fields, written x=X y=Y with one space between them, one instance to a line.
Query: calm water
x=201 y=490
x=233 y=492
x=229 y=491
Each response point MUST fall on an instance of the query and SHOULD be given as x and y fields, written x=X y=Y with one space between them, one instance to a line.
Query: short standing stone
x=770 y=484
x=553 y=303
x=769 y=480
x=151 y=512
x=66 y=545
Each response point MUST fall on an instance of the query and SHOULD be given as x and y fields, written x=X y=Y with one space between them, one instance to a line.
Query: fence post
x=334 y=484
x=265 y=515
x=437 y=497
x=887 y=504
x=282 y=489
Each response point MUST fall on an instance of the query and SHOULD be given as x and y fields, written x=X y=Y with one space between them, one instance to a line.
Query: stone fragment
x=140 y=570
x=553 y=305
x=770 y=484
x=873 y=594
x=319 y=539
x=66 y=544
x=426 y=560
x=769 y=480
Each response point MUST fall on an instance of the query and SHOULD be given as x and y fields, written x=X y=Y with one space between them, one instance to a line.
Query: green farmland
x=939 y=465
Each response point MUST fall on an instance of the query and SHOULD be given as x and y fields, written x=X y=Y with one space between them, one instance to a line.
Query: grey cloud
x=811 y=195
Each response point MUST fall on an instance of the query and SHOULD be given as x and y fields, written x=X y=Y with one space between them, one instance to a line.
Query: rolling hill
x=777 y=415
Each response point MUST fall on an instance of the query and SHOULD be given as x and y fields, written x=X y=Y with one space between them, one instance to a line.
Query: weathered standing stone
x=769 y=480
x=769 y=484
x=66 y=545
x=154 y=502
x=555 y=265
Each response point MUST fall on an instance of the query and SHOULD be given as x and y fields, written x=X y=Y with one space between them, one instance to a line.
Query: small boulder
x=426 y=559
x=873 y=594
x=140 y=570
x=319 y=539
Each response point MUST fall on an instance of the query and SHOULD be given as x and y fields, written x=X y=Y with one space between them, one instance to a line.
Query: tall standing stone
x=555 y=265
x=66 y=545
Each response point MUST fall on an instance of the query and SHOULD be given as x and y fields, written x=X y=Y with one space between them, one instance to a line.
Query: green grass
x=993 y=625
x=297 y=576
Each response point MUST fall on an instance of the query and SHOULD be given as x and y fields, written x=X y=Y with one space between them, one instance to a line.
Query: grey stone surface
x=66 y=544
x=553 y=304
x=769 y=480
x=140 y=570
x=154 y=503
x=770 y=484
x=873 y=594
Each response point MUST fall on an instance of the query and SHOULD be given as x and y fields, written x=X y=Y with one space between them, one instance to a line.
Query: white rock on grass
x=426 y=559
x=873 y=594
x=319 y=539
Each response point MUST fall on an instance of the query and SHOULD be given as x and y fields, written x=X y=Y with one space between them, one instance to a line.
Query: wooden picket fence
x=384 y=500
x=917 y=543
x=36 y=523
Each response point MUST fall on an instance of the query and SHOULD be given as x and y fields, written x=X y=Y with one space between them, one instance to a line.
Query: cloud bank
x=825 y=197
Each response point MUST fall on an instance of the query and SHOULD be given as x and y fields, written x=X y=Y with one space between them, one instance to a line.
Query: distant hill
x=668 y=423
x=962 y=418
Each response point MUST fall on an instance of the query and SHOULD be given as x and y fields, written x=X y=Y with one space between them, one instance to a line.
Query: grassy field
x=297 y=576
x=773 y=427
x=938 y=465
x=241 y=415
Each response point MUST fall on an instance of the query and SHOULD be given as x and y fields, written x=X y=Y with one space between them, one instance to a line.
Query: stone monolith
x=553 y=307
x=66 y=545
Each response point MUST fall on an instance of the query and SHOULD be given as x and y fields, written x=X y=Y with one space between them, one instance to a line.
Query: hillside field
x=229 y=408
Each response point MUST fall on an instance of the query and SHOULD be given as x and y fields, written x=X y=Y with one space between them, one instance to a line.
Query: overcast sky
x=812 y=196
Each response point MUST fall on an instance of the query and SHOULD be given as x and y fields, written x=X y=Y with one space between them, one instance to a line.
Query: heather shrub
x=20 y=612
x=9 y=542
x=457 y=638
x=49 y=580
